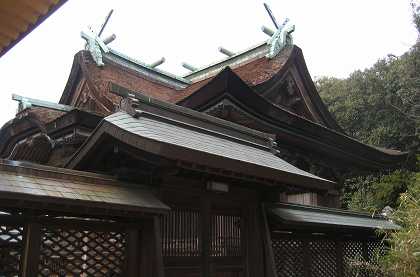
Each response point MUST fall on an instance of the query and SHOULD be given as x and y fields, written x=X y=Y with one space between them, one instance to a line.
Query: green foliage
x=381 y=106
x=374 y=105
x=403 y=257
x=373 y=193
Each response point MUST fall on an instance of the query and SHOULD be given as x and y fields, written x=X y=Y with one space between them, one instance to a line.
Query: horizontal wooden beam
x=42 y=103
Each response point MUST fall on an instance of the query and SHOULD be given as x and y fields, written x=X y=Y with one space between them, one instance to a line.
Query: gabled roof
x=260 y=87
x=186 y=136
x=25 y=185
x=257 y=71
x=288 y=127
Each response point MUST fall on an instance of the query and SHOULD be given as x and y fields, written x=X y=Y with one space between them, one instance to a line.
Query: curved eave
x=296 y=58
x=18 y=18
x=74 y=76
x=192 y=145
x=228 y=84
x=14 y=130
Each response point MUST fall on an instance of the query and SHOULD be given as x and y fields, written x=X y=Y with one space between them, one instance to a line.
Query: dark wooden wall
x=210 y=233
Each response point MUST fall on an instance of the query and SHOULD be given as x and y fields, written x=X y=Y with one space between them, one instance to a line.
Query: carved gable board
x=292 y=88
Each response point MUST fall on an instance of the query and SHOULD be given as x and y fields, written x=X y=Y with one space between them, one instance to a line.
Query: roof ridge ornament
x=95 y=44
x=280 y=38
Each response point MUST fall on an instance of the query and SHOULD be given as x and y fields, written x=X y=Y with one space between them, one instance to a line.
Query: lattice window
x=375 y=249
x=11 y=250
x=288 y=256
x=352 y=257
x=180 y=231
x=323 y=258
x=225 y=236
x=69 y=252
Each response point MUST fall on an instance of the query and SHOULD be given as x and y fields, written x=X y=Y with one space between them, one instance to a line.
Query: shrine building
x=233 y=170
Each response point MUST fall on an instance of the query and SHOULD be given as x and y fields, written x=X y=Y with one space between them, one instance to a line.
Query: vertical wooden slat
x=225 y=236
x=166 y=221
x=205 y=223
x=32 y=250
x=243 y=238
x=175 y=251
x=339 y=257
x=193 y=234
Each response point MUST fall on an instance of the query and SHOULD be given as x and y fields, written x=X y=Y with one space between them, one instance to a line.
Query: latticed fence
x=315 y=255
x=81 y=252
x=11 y=249
x=64 y=249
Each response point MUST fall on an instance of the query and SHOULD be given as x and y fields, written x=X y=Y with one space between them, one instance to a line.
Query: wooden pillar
x=306 y=257
x=254 y=241
x=32 y=248
x=270 y=265
x=339 y=257
x=158 y=247
x=151 y=249
x=132 y=253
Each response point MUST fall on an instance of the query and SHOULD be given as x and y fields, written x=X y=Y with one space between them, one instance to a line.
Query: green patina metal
x=281 y=38
x=95 y=46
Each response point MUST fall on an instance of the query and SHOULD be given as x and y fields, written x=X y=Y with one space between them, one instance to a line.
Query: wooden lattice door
x=226 y=243
x=203 y=241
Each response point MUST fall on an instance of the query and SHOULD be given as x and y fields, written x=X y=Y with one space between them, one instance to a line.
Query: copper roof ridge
x=186 y=112
x=242 y=57
x=161 y=74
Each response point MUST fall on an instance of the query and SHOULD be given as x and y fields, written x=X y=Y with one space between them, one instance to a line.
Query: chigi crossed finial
x=95 y=44
x=281 y=37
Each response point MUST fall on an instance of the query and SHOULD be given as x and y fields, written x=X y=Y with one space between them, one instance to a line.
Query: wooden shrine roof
x=180 y=134
x=251 y=79
x=19 y=17
x=309 y=215
x=161 y=85
x=27 y=184
x=228 y=89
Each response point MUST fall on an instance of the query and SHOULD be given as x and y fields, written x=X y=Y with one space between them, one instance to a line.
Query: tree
x=403 y=257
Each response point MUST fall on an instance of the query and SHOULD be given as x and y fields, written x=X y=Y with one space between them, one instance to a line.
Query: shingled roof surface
x=50 y=185
x=257 y=72
x=301 y=214
x=201 y=140
x=135 y=75
x=181 y=134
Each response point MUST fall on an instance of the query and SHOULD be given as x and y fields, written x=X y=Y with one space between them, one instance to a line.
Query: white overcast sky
x=336 y=36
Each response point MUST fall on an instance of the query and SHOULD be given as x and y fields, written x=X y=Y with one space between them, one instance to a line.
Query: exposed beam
x=158 y=62
x=26 y=101
x=226 y=52
x=189 y=67
x=267 y=31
